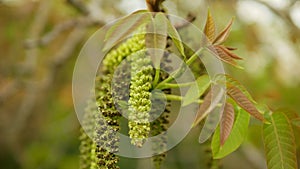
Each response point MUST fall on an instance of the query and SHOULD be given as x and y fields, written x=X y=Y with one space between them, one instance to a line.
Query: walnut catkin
x=140 y=101
x=98 y=152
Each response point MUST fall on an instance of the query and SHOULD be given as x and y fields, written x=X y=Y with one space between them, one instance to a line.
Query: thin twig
x=57 y=30
x=282 y=14
x=63 y=55
x=29 y=68
x=49 y=37
x=34 y=89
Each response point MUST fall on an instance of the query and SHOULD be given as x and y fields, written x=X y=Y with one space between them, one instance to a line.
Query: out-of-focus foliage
x=39 y=43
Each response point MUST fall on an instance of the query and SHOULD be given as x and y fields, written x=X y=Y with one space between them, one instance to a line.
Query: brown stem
x=154 y=5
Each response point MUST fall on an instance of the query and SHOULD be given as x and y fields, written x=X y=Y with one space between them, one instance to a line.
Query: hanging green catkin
x=120 y=86
x=107 y=120
x=87 y=144
x=115 y=57
x=159 y=126
x=139 y=101
x=85 y=150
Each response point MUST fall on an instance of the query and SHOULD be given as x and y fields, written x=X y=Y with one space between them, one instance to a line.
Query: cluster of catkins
x=129 y=87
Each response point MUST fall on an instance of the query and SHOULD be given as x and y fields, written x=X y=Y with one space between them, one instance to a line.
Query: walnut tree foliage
x=144 y=76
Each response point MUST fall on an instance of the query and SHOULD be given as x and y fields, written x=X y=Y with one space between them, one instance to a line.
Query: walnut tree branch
x=58 y=30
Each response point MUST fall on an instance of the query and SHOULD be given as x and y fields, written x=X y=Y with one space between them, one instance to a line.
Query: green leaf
x=196 y=90
x=156 y=38
x=124 y=27
x=223 y=56
x=279 y=142
x=176 y=38
x=236 y=137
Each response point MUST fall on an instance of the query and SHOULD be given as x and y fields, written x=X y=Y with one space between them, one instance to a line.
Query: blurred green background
x=41 y=39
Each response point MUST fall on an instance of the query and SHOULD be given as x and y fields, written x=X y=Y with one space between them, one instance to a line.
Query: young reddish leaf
x=224 y=34
x=223 y=56
x=233 y=82
x=209 y=29
x=229 y=53
x=230 y=81
x=124 y=27
x=236 y=138
x=226 y=123
x=241 y=99
x=211 y=100
x=203 y=109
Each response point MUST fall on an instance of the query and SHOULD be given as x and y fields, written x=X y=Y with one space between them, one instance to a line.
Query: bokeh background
x=41 y=39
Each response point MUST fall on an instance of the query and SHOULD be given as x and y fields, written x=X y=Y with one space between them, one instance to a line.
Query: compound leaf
x=279 y=142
